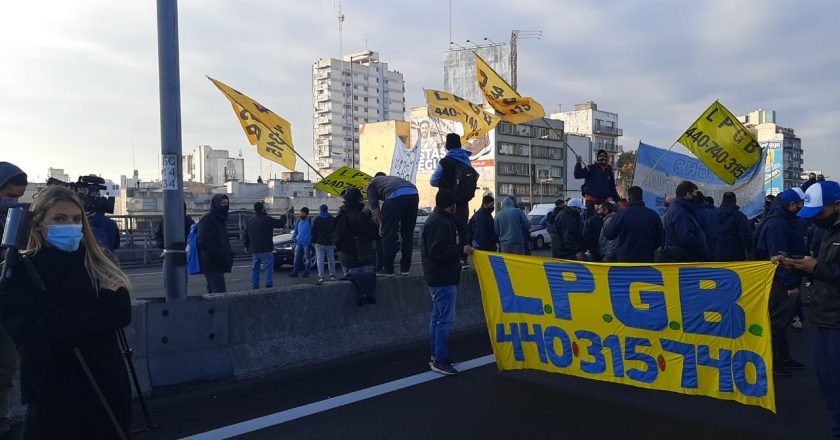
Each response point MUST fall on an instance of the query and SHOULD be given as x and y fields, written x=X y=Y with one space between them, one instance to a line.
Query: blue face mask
x=64 y=237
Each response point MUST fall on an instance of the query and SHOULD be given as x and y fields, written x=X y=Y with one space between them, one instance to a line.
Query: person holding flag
x=599 y=179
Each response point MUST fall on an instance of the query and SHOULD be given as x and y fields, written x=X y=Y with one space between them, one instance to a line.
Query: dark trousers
x=556 y=247
x=398 y=215
x=827 y=367
x=781 y=312
x=215 y=282
x=462 y=211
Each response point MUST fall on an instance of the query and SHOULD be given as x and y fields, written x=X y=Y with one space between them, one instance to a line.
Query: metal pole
x=352 y=123
x=530 y=175
x=175 y=257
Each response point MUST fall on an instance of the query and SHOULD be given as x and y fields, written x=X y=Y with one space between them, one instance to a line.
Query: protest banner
x=343 y=178
x=672 y=168
x=476 y=121
x=507 y=102
x=694 y=328
x=722 y=143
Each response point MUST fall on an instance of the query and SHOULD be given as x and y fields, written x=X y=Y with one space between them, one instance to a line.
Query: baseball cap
x=788 y=196
x=575 y=203
x=818 y=195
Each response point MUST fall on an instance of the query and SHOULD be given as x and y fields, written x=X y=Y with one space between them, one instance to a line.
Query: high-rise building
x=598 y=125
x=348 y=92
x=213 y=167
x=783 y=168
x=459 y=69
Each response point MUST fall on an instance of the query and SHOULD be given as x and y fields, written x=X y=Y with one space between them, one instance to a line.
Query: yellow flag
x=476 y=121
x=343 y=178
x=509 y=104
x=270 y=133
x=723 y=144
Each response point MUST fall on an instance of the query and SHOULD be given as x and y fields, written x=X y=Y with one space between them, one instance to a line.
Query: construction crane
x=515 y=36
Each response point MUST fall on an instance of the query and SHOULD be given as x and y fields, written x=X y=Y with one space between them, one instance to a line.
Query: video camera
x=88 y=187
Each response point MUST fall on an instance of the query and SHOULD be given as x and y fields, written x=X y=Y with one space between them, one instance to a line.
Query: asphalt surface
x=484 y=403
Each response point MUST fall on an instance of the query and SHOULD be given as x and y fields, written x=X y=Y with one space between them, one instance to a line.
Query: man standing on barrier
x=398 y=215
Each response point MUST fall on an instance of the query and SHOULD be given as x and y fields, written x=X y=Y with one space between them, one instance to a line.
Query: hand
x=807 y=264
x=111 y=284
x=778 y=259
x=793 y=293
x=468 y=250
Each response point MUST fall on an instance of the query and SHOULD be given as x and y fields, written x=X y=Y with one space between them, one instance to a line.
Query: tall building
x=598 y=125
x=348 y=92
x=783 y=168
x=459 y=69
x=213 y=167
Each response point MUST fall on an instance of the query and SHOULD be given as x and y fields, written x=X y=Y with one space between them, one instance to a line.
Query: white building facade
x=784 y=150
x=459 y=69
x=598 y=125
x=348 y=92
x=212 y=167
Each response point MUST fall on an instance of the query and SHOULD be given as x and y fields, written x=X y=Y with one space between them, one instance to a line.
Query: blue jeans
x=266 y=260
x=827 y=367
x=321 y=251
x=512 y=248
x=303 y=253
x=443 y=314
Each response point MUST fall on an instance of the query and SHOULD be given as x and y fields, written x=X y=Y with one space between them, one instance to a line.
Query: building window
x=556 y=172
x=504 y=128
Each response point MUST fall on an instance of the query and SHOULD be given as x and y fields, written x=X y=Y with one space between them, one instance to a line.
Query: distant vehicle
x=539 y=235
x=422 y=215
x=284 y=251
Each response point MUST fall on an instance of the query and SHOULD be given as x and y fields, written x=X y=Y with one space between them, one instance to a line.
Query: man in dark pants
x=780 y=236
x=482 y=228
x=259 y=239
x=446 y=176
x=570 y=232
x=734 y=237
x=599 y=181
x=398 y=214
x=638 y=230
x=214 y=249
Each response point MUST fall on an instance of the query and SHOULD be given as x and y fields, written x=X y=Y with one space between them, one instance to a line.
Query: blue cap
x=788 y=196
x=819 y=195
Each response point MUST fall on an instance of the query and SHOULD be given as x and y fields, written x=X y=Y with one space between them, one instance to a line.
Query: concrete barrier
x=292 y=326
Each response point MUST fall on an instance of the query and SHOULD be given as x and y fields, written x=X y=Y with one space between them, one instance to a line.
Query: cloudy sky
x=79 y=80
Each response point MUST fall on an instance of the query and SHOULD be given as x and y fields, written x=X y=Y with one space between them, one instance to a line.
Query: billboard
x=774 y=176
x=384 y=146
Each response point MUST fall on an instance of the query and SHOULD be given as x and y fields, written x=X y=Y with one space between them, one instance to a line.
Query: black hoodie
x=214 y=249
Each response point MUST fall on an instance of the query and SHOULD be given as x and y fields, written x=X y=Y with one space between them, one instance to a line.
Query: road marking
x=331 y=403
x=161 y=272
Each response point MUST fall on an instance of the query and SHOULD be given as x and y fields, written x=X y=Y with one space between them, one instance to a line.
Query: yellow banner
x=343 y=178
x=509 y=104
x=698 y=328
x=270 y=133
x=476 y=121
x=723 y=144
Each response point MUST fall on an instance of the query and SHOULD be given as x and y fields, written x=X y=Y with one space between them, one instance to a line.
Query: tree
x=625 y=167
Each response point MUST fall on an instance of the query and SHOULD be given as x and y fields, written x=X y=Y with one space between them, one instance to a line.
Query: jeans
x=215 y=282
x=512 y=248
x=398 y=215
x=359 y=269
x=322 y=250
x=266 y=260
x=827 y=367
x=303 y=257
x=443 y=314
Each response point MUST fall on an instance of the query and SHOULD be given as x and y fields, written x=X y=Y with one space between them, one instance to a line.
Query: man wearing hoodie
x=214 y=249
x=508 y=226
x=599 y=181
x=13 y=183
x=454 y=168
x=707 y=216
x=812 y=179
x=781 y=235
x=734 y=231
x=481 y=226
x=398 y=215
x=303 y=244
x=685 y=240
x=569 y=227
x=636 y=229
x=322 y=230
x=259 y=239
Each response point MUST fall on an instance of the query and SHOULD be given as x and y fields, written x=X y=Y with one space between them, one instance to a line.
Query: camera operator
x=104 y=229
x=63 y=313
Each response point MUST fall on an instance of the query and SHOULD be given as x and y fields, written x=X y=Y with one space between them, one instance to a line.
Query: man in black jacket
x=214 y=249
x=440 y=252
x=481 y=225
x=823 y=205
x=592 y=231
x=569 y=227
x=599 y=181
x=638 y=230
x=322 y=230
x=259 y=239
x=398 y=215
x=734 y=236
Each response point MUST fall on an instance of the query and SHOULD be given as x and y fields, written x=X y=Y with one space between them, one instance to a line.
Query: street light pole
x=530 y=174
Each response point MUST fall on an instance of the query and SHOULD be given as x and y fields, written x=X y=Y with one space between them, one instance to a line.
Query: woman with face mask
x=67 y=298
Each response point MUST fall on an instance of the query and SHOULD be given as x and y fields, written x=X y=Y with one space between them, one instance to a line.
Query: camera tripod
x=128 y=354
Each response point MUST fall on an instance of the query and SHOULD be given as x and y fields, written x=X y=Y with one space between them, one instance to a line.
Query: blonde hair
x=97 y=263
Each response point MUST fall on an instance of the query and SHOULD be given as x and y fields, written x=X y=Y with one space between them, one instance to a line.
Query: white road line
x=331 y=403
x=161 y=272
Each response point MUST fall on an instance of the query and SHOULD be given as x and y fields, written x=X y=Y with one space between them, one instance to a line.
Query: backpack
x=466 y=181
x=193 y=262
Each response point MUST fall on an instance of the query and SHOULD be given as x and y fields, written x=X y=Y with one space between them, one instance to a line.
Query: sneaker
x=386 y=274
x=793 y=364
x=448 y=360
x=405 y=274
x=797 y=323
x=332 y=277
x=444 y=368
x=292 y=275
x=320 y=280
x=465 y=266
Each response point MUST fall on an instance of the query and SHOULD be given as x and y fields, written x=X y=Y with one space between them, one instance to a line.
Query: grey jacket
x=380 y=188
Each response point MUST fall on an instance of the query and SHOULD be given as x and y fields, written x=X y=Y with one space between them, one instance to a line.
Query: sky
x=79 y=80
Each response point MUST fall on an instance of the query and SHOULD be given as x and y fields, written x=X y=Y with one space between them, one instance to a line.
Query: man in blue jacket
x=637 y=228
x=398 y=215
x=734 y=237
x=483 y=232
x=599 y=181
x=446 y=175
x=707 y=216
x=508 y=226
x=781 y=235
x=303 y=244
x=684 y=238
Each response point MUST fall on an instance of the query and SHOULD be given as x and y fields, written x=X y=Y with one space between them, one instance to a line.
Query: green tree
x=625 y=167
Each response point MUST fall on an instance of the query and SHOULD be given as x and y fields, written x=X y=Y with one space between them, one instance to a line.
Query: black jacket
x=569 y=232
x=734 y=235
x=439 y=250
x=322 y=229
x=600 y=181
x=354 y=233
x=483 y=231
x=214 y=249
x=46 y=325
x=259 y=233
x=825 y=289
x=683 y=233
x=591 y=234
x=188 y=222
x=639 y=232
